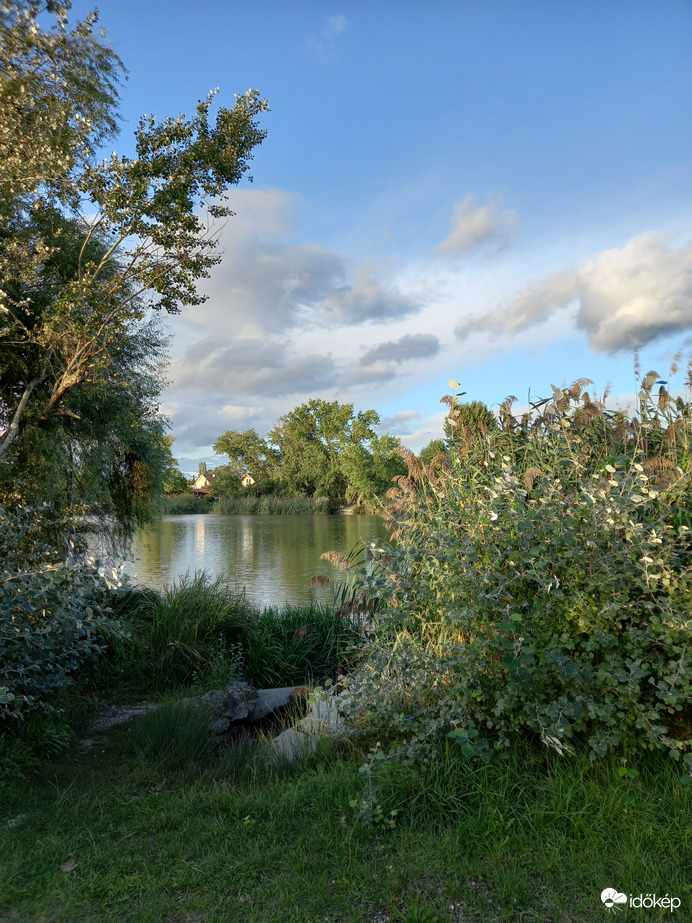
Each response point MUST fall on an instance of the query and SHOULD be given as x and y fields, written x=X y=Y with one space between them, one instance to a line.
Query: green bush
x=540 y=586
x=53 y=613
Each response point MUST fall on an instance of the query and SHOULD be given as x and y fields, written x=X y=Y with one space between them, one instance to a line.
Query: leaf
x=68 y=866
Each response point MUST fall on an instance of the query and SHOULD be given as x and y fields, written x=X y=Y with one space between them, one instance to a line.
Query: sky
x=498 y=193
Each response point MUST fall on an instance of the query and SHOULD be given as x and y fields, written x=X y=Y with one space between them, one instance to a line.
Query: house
x=204 y=482
x=247 y=480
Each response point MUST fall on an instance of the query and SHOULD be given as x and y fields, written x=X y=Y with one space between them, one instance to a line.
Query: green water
x=272 y=557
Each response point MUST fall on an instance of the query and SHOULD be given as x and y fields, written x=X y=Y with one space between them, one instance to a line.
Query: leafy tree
x=87 y=250
x=247 y=453
x=144 y=243
x=175 y=481
x=434 y=448
x=311 y=441
x=370 y=468
x=468 y=421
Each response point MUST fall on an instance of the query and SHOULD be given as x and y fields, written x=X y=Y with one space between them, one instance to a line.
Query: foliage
x=541 y=586
x=431 y=451
x=319 y=449
x=248 y=453
x=53 y=615
x=88 y=249
x=272 y=503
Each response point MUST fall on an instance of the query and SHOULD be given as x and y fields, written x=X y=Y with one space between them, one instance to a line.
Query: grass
x=534 y=838
x=200 y=632
x=273 y=504
x=184 y=503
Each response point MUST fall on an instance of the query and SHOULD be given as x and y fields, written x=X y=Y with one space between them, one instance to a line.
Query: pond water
x=272 y=557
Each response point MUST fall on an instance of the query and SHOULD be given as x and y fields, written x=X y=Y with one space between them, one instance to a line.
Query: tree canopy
x=91 y=250
x=321 y=448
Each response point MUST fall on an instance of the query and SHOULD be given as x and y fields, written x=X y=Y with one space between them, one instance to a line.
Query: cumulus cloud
x=363 y=300
x=272 y=285
x=623 y=298
x=413 y=346
x=253 y=367
x=473 y=226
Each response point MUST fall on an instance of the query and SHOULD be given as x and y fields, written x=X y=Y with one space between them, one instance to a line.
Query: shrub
x=53 y=614
x=540 y=586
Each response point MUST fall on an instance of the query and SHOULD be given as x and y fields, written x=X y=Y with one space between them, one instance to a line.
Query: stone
x=230 y=706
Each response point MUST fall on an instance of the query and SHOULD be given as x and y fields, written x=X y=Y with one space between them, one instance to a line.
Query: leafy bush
x=540 y=585
x=53 y=614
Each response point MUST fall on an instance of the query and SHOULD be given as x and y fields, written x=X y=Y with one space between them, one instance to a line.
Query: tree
x=370 y=469
x=430 y=451
x=311 y=440
x=468 y=421
x=143 y=240
x=247 y=453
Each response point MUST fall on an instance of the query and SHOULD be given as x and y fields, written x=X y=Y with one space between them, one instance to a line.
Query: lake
x=272 y=557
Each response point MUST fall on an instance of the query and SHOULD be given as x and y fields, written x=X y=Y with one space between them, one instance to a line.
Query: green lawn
x=534 y=838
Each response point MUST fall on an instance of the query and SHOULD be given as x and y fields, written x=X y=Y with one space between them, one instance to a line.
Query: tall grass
x=294 y=645
x=273 y=504
x=183 y=504
x=185 y=630
x=199 y=631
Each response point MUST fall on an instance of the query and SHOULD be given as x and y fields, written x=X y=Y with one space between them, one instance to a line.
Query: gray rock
x=229 y=706
x=270 y=701
x=323 y=720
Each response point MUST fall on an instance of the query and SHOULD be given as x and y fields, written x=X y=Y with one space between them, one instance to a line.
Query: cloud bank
x=623 y=298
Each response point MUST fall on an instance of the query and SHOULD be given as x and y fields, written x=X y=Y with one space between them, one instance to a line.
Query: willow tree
x=142 y=225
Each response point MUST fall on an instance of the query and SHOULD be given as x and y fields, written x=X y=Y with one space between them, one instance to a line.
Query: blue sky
x=495 y=192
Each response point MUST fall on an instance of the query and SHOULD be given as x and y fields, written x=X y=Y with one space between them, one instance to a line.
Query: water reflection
x=273 y=557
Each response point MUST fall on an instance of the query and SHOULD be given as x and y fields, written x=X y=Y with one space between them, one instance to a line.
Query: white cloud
x=401 y=424
x=624 y=298
x=336 y=25
x=473 y=226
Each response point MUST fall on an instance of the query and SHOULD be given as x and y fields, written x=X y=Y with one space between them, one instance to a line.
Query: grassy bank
x=533 y=838
x=274 y=504
x=182 y=504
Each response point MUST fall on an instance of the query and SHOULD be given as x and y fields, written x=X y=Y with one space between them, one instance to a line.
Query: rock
x=270 y=701
x=230 y=706
x=324 y=719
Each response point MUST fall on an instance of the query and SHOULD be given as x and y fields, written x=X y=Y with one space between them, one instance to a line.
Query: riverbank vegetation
x=516 y=665
x=519 y=704
x=320 y=450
